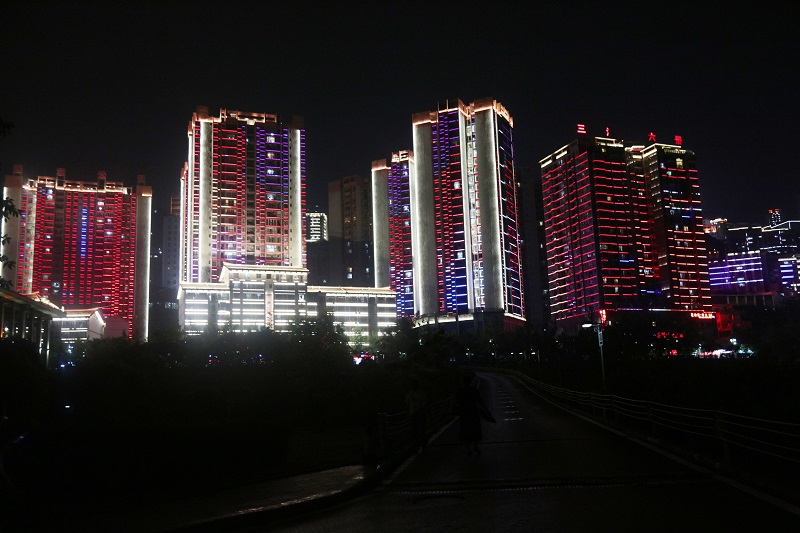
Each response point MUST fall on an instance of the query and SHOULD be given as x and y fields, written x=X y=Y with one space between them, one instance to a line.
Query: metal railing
x=395 y=428
x=732 y=436
x=705 y=429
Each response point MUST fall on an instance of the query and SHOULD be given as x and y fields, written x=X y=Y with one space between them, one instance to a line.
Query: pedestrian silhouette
x=416 y=402
x=471 y=410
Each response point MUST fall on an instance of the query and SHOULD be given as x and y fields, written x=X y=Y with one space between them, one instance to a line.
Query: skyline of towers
x=82 y=244
x=623 y=228
x=622 y=221
x=463 y=194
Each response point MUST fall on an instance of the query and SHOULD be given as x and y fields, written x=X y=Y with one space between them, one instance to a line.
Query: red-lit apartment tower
x=242 y=193
x=591 y=233
x=83 y=244
x=679 y=257
x=614 y=237
x=391 y=225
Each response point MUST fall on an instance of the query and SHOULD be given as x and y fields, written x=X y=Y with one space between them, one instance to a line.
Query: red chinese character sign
x=651 y=137
x=581 y=128
x=678 y=140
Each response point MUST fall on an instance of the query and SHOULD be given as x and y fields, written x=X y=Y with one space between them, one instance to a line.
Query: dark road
x=544 y=469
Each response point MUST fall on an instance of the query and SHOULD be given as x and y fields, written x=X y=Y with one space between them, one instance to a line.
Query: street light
x=599 y=329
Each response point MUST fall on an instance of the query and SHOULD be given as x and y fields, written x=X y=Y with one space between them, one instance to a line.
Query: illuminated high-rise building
x=242 y=193
x=391 y=223
x=676 y=227
x=774 y=217
x=623 y=229
x=243 y=248
x=317 y=248
x=243 y=261
x=464 y=212
x=82 y=244
x=592 y=231
x=316 y=227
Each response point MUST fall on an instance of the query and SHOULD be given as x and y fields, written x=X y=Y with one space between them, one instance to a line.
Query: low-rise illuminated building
x=80 y=325
x=249 y=298
x=246 y=298
x=363 y=312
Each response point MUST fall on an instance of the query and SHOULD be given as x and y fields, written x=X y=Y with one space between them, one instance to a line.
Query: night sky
x=97 y=86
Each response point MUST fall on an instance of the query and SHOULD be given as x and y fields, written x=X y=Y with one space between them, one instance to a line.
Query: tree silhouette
x=8 y=210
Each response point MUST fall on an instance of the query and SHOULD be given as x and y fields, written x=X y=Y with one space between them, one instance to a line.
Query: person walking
x=471 y=410
x=416 y=403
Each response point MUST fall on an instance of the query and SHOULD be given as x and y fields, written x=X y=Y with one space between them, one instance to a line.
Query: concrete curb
x=373 y=478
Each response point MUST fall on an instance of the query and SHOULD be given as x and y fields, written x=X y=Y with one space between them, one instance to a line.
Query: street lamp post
x=599 y=329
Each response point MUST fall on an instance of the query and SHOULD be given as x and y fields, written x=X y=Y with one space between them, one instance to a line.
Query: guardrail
x=395 y=428
x=733 y=437
x=703 y=429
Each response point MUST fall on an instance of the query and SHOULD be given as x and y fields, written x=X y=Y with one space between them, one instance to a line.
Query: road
x=545 y=469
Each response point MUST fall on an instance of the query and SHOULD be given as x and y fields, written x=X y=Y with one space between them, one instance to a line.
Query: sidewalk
x=257 y=504
x=262 y=502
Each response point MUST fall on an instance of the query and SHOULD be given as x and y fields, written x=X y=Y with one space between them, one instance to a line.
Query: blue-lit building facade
x=464 y=212
x=755 y=258
x=756 y=268
x=391 y=216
